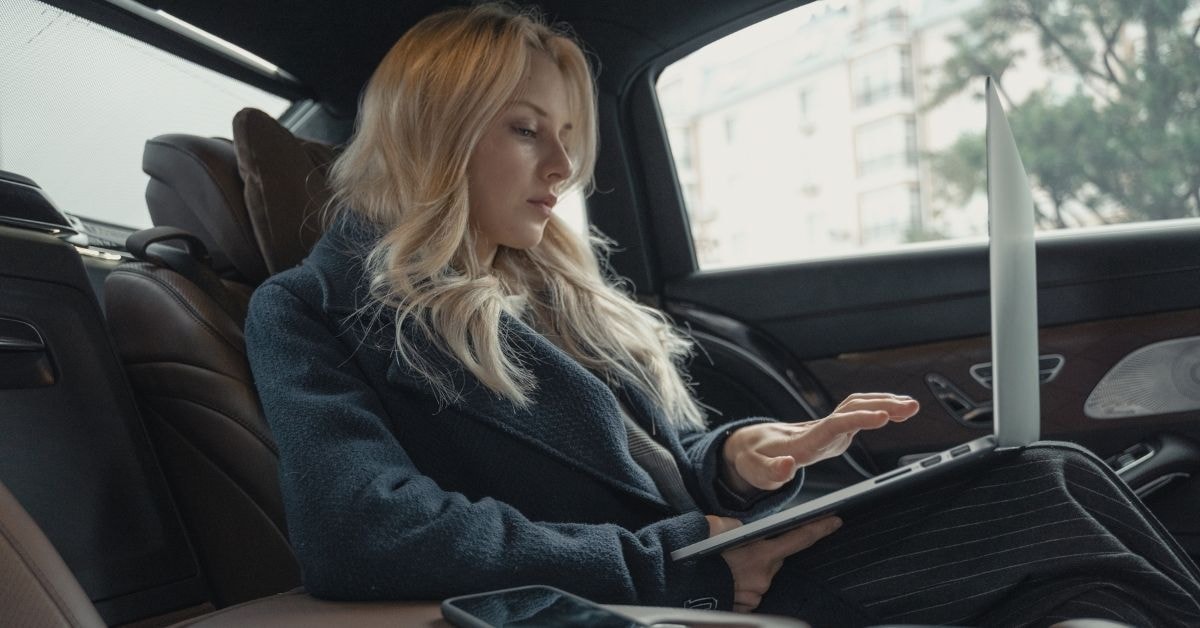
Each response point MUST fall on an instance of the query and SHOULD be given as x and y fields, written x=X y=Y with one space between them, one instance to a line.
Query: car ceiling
x=332 y=46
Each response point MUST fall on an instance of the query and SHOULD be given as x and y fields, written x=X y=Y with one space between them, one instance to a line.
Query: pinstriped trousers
x=1046 y=535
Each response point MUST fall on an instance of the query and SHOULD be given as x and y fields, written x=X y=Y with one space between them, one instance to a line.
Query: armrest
x=655 y=615
x=297 y=609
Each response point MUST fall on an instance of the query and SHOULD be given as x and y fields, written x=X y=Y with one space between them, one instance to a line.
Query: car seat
x=176 y=318
x=39 y=590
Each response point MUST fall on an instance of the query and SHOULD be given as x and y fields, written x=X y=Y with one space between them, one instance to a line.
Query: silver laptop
x=1016 y=417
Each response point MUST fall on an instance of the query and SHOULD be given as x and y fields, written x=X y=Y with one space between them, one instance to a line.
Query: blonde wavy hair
x=421 y=116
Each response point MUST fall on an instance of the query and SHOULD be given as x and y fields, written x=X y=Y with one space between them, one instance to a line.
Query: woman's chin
x=529 y=240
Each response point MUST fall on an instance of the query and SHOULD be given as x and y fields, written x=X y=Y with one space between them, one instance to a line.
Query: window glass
x=882 y=75
x=78 y=101
x=851 y=125
x=886 y=145
x=572 y=210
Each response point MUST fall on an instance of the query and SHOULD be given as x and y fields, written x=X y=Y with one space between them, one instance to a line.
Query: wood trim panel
x=1091 y=349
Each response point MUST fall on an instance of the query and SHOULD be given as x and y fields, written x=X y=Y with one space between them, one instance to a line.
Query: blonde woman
x=462 y=403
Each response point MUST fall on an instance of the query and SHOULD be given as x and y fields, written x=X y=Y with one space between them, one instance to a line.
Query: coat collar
x=573 y=415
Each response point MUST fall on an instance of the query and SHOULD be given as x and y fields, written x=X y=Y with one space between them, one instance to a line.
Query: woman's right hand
x=755 y=564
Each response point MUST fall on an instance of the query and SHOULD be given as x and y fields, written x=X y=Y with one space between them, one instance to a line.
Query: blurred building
x=803 y=138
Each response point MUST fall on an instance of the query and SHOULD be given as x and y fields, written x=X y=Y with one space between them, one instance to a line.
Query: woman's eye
x=524 y=132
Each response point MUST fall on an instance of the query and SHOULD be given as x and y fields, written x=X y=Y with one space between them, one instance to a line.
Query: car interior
x=138 y=476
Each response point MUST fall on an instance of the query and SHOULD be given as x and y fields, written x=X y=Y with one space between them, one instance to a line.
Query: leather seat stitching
x=265 y=440
x=232 y=481
x=181 y=301
x=47 y=585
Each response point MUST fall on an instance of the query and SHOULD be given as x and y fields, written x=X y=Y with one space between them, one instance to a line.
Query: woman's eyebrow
x=541 y=112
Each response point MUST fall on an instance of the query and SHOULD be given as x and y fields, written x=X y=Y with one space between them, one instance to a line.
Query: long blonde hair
x=423 y=111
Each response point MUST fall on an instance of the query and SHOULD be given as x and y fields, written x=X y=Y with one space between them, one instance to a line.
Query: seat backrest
x=253 y=203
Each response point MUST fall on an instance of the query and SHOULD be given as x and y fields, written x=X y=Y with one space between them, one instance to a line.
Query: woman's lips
x=545 y=203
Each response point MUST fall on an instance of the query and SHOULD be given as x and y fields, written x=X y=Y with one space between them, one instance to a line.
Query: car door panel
x=72 y=447
x=906 y=297
x=887 y=321
x=1089 y=351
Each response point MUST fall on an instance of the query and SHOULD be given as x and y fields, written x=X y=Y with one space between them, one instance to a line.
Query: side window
x=852 y=125
x=572 y=210
x=78 y=101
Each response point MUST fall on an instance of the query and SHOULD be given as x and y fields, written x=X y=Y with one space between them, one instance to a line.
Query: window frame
x=135 y=32
x=122 y=21
x=661 y=231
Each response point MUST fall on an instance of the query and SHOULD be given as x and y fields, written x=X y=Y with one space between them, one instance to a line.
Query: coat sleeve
x=704 y=461
x=366 y=524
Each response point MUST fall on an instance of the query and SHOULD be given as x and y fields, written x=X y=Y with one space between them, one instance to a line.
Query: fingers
x=865 y=411
x=717 y=525
x=753 y=566
x=872 y=395
x=745 y=601
x=899 y=407
x=803 y=537
x=781 y=469
x=848 y=423
x=750 y=584
x=770 y=472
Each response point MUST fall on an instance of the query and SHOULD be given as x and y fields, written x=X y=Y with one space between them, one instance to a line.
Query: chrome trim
x=1138 y=461
x=60 y=231
x=1158 y=483
x=207 y=40
x=1045 y=375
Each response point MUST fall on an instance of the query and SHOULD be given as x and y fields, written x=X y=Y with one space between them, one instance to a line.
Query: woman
x=462 y=403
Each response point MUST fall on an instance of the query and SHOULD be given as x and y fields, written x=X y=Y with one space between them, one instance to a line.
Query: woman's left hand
x=766 y=456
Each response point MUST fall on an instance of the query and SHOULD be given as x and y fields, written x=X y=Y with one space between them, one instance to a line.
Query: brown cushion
x=285 y=186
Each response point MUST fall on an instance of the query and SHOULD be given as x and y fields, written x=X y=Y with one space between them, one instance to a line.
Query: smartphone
x=531 y=607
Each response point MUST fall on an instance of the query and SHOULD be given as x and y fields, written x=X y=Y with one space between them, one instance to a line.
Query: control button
x=958 y=451
x=930 y=461
x=894 y=474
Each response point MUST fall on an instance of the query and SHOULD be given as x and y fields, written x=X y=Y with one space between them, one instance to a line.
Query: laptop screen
x=1013 y=263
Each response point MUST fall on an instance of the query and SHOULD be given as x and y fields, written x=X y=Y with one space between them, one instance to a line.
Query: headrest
x=194 y=185
x=253 y=202
x=285 y=186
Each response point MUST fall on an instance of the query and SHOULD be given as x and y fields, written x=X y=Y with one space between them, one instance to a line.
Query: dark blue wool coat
x=391 y=496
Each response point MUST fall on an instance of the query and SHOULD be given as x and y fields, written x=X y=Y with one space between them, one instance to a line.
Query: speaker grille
x=1156 y=379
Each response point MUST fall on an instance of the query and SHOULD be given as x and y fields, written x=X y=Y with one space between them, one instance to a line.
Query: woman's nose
x=557 y=164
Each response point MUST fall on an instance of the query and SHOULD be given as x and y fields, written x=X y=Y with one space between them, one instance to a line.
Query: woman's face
x=519 y=161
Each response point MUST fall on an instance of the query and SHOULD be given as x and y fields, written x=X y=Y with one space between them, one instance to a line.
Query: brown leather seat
x=36 y=587
x=183 y=349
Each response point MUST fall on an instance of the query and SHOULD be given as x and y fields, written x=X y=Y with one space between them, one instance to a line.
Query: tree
x=1124 y=144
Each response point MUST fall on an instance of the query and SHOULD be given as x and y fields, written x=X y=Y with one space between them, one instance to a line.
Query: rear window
x=78 y=101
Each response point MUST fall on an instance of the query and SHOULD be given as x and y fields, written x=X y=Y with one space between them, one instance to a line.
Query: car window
x=847 y=126
x=78 y=101
x=571 y=208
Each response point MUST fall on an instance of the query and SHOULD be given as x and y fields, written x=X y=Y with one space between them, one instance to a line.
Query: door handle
x=24 y=359
x=958 y=404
